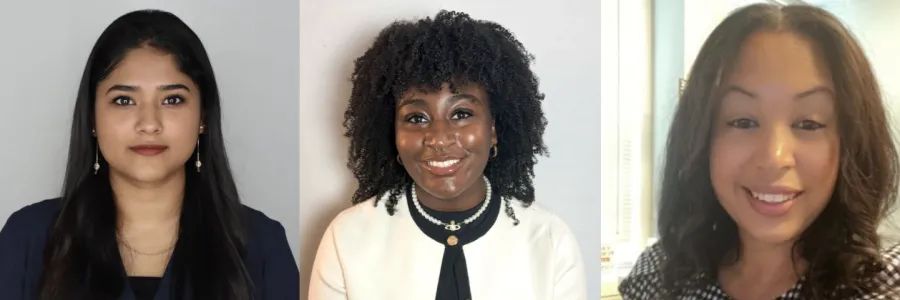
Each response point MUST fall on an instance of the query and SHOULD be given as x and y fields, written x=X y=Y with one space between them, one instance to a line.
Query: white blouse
x=367 y=254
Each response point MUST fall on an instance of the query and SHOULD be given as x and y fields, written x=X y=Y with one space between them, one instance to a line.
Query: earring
x=715 y=226
x=198 y=164
x=398 y=160
x=495 y=150
x=96 y=159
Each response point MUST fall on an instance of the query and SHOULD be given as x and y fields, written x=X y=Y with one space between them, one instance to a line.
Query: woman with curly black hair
x=779 y=168
x=445 y=126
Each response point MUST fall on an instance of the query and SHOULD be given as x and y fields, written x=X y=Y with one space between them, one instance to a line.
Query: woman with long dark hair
x=149 y=208
x=780 y=167
x=445 y=126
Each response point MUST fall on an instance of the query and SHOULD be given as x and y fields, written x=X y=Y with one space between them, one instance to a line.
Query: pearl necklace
x=453 y=226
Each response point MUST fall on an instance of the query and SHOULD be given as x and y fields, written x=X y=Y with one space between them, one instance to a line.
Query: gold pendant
x=452 y=240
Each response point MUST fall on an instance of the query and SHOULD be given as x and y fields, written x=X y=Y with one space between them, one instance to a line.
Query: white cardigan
x=367 y=254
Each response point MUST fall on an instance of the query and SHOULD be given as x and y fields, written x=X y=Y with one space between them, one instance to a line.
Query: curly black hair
x=452 y=49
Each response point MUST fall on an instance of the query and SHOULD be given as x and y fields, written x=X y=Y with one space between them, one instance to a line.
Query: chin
x=774 y=235
x=442 y=188
x=148 y=174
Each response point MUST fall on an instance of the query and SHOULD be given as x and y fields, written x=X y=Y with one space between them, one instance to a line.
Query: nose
x=776 y=150
x=440 y=135
x=148 y=120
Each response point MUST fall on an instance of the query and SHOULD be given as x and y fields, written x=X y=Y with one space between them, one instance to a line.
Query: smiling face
x=444 y=141
x=775 y=144
x=147 y=117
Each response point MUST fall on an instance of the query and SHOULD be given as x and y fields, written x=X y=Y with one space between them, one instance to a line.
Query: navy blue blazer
x=268 y=257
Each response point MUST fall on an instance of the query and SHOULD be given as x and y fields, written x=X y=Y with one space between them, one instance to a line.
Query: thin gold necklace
x=124 y=243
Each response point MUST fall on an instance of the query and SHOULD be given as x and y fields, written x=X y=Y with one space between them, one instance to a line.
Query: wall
x=626 y=118
x=253 y=48
x=561 y=34
x=668 y=68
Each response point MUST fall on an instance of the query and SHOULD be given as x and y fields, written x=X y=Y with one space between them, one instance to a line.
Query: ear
x=493 y=134
x=202 y=121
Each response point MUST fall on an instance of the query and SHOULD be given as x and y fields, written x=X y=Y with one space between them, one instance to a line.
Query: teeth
x=443 y=164
x=773 y=198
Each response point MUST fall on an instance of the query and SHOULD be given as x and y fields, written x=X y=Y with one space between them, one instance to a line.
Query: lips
x=148 y=150
x=772 y=202
x=774 y=198
x=443 y=166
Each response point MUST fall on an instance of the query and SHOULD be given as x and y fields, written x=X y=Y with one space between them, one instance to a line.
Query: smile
x=443 y=164
x=774 y=198
x=442 y=167
x=774 y=202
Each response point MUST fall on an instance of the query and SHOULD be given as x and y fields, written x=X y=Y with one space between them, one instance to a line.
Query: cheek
x=818 y=164
x=183 y=129
x=727 y=157
x=475 y=138
x=113 y=128
x=407 y=142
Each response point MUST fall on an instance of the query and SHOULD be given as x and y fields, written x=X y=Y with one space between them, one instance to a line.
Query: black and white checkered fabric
x=643 y=283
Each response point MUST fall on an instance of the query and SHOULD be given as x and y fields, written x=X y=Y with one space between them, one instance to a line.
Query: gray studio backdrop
x=253 y=46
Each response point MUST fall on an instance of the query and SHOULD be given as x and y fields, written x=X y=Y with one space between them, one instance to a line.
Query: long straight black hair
x=81 y=259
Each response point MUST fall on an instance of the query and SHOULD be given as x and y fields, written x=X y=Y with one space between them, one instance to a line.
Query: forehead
x=779 y=62
x=147 y=65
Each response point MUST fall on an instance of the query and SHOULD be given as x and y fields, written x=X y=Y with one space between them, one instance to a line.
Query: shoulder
x=22 y=240
x=366 y=213
x=260 y=224
x=537 y=218
x=886 y=284
x=35 y=218
x=643 y=282
x=264 y=234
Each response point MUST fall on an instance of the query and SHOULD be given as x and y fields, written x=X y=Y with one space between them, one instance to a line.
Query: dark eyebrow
x=801 y=95
x=165 y=87
x=172 y=87
x=413 y=101
x=813 y=91
x=124 y=88
x=460 y=97
x=453 y=99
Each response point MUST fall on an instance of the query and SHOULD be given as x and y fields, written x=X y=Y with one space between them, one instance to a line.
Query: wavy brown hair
x=842 y=246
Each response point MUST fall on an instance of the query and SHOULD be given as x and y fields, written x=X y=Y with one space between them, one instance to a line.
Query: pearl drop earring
x=96 y=153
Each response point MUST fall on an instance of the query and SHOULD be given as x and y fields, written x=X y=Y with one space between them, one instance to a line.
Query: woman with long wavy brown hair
x=779 y=168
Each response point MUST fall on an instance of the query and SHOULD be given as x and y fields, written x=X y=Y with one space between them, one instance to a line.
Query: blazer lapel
x=127 y=292
x=166 y=288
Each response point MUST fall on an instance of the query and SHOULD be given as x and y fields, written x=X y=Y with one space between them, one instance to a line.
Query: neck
x=468 y=199
x=148 y=205
x=763 y=264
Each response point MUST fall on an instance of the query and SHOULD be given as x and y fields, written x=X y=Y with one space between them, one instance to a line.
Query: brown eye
x=122 y=101
x=743 y=123
x=461 y=115
x=809 y=125
x=416 y=119
x=173 y=100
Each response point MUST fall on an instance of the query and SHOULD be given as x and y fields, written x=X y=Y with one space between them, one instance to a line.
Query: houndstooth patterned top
x=643 y=283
